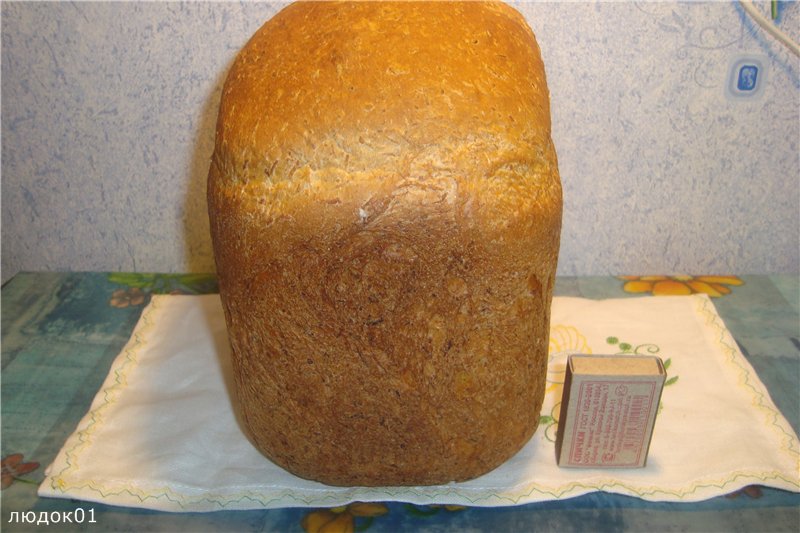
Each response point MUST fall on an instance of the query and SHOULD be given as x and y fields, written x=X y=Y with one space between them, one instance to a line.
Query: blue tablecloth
x=61 y=331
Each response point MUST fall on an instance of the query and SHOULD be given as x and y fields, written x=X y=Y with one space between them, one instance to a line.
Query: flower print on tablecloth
x=13 y=468
x=123 y=298
x=359 y=516
x=714 y=286
x=355 y=516
x=751 y=491
x=430 y=510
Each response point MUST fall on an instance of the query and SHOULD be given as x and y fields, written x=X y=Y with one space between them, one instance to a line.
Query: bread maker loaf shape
x=385 y=213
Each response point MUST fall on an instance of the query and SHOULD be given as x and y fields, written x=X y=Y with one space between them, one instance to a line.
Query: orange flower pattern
x=341 y=519
x=714 y=286
x=752 y=491
x=450 y=507
x=127 y=297
x=13 y=468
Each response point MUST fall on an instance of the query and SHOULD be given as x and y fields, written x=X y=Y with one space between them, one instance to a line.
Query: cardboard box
x=608 y=410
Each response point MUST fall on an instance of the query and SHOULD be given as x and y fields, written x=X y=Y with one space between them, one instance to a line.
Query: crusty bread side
x=385 y=209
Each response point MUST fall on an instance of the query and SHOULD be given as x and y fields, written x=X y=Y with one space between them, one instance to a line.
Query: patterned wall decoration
x=108 y=111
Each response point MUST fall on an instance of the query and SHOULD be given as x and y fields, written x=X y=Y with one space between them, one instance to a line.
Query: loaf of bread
x=385 y=209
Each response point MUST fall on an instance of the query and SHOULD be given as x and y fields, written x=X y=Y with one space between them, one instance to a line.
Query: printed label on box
x=611 y=426
x=608 y=409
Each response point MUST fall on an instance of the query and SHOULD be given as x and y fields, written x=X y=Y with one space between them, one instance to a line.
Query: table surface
x=61 y=332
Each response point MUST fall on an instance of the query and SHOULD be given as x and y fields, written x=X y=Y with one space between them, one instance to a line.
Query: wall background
x=108 y=111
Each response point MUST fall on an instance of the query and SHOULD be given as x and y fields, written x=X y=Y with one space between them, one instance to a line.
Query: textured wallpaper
x=669 y=165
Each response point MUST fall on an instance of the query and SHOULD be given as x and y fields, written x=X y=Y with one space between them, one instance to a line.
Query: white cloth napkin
x=162 y=434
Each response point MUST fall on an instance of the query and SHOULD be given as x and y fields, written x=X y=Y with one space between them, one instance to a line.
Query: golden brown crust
x=385 y=209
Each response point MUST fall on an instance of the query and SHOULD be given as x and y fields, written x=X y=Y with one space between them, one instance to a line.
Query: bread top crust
x=373 y=115
x=320 y=80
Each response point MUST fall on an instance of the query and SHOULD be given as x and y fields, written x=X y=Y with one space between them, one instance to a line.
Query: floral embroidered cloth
x=161 y=432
